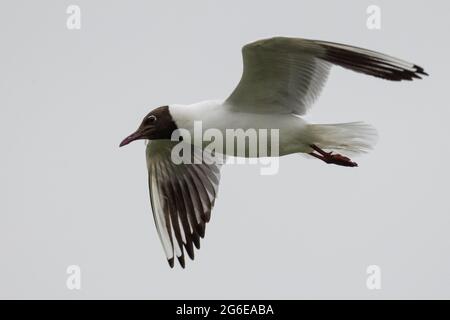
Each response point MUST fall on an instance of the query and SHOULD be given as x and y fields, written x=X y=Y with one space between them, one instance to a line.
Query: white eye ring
x=151 y=118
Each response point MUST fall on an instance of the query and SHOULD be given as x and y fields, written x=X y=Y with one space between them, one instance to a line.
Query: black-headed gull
x=281 y=79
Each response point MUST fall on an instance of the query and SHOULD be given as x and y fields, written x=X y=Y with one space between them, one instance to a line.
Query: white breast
x=216 y=115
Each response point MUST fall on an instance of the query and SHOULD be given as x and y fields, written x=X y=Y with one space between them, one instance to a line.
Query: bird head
x=158 y=124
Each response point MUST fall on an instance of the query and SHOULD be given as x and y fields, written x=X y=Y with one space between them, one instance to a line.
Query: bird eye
x=151 y=118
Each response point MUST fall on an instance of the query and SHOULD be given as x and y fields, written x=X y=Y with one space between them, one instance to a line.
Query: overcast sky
x=70 y=196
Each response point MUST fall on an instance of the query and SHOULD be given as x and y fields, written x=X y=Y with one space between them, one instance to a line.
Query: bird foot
x=339 y=160
x=332 y=158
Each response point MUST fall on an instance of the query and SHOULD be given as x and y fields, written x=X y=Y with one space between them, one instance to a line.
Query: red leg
x=329 y=157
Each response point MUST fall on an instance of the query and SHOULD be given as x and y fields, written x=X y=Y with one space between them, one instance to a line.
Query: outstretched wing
x=286 y=75
x=182 y=197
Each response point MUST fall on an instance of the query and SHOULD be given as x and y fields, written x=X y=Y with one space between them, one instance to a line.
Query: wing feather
x=182 y=197
x=286 y=75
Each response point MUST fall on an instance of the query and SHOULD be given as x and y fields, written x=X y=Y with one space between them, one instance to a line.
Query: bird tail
x=351 y=138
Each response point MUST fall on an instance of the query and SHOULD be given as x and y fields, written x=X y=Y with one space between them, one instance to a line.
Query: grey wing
x=182 y=197
x=286 y=75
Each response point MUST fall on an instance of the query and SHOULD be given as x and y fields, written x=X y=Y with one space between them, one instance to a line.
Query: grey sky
x=71 y=196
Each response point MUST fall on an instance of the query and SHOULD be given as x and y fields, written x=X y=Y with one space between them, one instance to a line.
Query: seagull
x=281 y=79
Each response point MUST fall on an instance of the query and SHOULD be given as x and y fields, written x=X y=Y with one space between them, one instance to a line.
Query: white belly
x=285 y=132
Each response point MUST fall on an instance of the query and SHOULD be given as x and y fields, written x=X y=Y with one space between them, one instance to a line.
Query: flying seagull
x=281 y=79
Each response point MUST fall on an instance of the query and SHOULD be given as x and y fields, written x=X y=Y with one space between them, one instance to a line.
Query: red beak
x=134 y=136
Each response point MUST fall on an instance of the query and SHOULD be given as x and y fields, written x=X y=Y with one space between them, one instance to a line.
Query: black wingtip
x=190 y=250
x=420 y=70
x=181 y=261
x=170 y=261
x=373 y=64
x=201 y=230
x=196 y=239
x=207 y=215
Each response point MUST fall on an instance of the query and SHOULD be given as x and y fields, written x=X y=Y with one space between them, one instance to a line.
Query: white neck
x=185 y=115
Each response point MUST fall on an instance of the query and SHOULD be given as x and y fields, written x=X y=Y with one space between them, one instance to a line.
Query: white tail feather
x=351 y=138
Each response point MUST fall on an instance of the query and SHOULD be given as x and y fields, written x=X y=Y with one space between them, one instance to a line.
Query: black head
x=158 y=124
